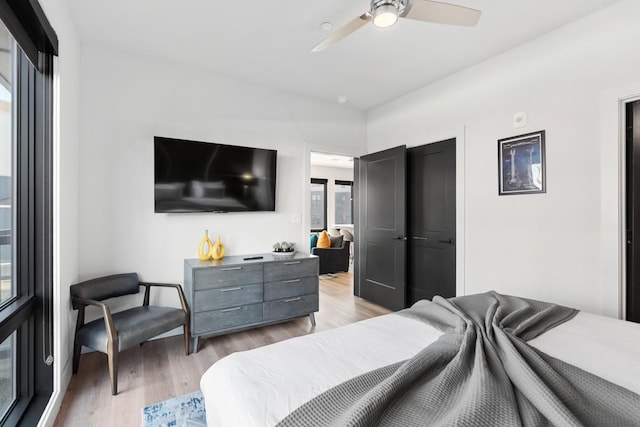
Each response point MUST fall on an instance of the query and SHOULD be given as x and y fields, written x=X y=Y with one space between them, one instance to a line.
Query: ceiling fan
x=385 y=13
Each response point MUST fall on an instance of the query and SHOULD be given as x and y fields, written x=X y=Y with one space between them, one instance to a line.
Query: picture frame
x=521 y=164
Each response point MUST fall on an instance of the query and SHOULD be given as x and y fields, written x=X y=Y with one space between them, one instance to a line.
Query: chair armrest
x=148 y=285
x=106 y=313
x=95 y=303
x=317 y=250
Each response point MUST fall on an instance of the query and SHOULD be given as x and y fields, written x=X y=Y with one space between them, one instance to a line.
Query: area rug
x=181 y=411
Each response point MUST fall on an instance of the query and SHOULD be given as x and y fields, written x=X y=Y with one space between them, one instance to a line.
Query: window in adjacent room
x=343 y=202
x=318 y=204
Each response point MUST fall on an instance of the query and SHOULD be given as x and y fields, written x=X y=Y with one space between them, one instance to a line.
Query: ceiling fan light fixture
x=385 y=15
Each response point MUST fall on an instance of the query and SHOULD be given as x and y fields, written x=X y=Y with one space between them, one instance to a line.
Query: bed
x=261 y=387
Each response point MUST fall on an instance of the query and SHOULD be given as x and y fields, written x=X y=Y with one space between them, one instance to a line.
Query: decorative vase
x=284 y=255
x=205 y=242
x=217 y=251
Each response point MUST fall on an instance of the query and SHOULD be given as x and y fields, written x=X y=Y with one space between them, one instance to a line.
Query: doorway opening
x=331 y=211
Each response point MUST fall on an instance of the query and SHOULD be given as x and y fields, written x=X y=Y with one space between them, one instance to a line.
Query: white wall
x=563 y=245
x=127 y=100
x=331 y=174
x=66 y=124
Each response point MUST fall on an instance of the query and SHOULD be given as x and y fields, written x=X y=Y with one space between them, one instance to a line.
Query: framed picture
x=521 y=164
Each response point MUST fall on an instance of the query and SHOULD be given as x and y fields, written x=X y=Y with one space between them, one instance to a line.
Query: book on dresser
x=247 y=291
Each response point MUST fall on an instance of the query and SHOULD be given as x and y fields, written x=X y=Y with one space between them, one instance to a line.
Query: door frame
x=622 y=206
x=306 y=188
x=612 y=194
x=422 y=139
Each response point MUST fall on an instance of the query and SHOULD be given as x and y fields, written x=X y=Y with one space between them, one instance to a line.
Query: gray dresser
x=236 y=293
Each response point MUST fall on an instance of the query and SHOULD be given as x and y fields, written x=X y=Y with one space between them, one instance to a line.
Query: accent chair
x=114 y=332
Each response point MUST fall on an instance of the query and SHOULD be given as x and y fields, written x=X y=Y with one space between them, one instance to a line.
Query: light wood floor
x=159 y=369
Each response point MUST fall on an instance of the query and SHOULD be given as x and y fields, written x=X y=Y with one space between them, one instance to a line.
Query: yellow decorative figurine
x=218 y=249
x=206 y=242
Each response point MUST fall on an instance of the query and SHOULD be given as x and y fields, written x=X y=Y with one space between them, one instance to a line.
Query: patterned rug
x=181 y=411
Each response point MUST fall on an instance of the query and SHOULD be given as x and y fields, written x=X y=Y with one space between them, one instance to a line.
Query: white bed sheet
x=609 y=348
x=260 y=387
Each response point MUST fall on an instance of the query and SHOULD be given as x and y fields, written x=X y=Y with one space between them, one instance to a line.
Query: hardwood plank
x=159 y=369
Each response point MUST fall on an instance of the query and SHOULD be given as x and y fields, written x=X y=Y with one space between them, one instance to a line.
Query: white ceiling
x=268 y=42
x=331 y=160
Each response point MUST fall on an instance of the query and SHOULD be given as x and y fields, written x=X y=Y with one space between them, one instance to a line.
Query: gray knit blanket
x=480 y=372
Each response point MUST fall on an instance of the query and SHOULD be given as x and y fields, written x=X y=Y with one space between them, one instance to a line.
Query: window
x=318 y=204
x=7 y=374
x=343 y=202
x=7 y=222
x=26 y=374
x=7 y=60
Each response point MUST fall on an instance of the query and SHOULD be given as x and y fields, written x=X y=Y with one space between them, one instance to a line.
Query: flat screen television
x=193 y=176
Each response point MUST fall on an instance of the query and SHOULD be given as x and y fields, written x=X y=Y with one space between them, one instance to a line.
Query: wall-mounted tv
x=193 y=176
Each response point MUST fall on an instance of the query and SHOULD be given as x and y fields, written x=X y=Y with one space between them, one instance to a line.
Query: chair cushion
x=314 y=240
x=323 y=240
x=106 y=287
x=347 y=235
x=336 y=241
x=334 y=232
x=133 y=326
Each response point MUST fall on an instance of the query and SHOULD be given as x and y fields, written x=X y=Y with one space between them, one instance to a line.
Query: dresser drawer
x=230 y=296
x=285 y=270
x=290 y=288
x=221 y=277
x=215 y=320
x=290 y=307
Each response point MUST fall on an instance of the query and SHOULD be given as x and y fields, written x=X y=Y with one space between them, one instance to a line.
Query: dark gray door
x=431 y=221
x=633 y=210
x=380 y=228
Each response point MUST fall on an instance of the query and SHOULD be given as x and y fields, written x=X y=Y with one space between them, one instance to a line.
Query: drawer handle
x=239 y=288
x=293 y=299
x=292 y=262
x=231 y=309
x=291 y=281
x=231 y=268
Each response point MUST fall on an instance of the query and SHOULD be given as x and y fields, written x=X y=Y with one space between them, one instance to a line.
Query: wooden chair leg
x=112 y=355
x=187 y=334
x=76 y=356
x=77 y=347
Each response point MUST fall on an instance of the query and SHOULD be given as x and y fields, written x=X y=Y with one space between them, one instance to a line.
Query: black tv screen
x=195 y=176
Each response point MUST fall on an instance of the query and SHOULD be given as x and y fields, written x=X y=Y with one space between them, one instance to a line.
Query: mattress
x=262 y=386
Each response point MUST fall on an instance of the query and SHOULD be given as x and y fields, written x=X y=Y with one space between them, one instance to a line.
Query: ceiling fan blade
x=443 y=13
x=342 y=32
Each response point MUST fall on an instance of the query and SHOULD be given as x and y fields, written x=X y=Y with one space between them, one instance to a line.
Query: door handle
x=447 y=241
x=399 y=238
x=419 y=238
